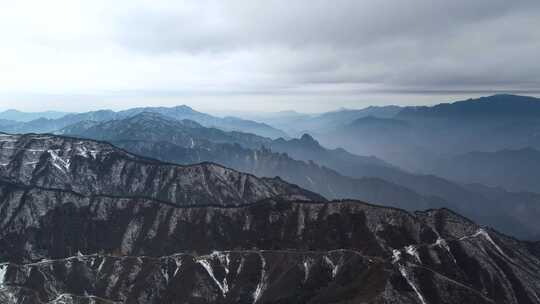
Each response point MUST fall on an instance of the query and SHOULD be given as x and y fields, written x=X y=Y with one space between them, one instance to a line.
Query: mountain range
x=86 y=222
x=171 y=205
x=90 y=168
x=295 y=124
x=418 y=137
x=335 y=174
x=15 y=115
x=44 y=124
x=187 y=142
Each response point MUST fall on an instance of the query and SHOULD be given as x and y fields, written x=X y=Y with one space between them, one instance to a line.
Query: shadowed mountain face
x=46 y=125
x=84 y=222
x=59 y=246
x=333 y=173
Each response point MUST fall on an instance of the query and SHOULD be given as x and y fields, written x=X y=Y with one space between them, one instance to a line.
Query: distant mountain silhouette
x=16 y=115
x=133 y=207
x=42 y=125
x=7 y=124
x=296 y=124
x=492 y=106
x=428 y=133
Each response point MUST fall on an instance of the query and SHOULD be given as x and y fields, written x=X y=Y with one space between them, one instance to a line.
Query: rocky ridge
x=71 y=239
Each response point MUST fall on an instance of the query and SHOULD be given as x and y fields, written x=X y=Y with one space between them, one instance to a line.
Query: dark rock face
x=71 y=239
x=331 y=251
x=221 y=277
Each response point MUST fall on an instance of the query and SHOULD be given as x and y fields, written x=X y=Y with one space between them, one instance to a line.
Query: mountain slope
x=485 y=124
x=515 y=170
x=227 y=123
x=46 y=125
x=332 y=173
x=156 y=127
x=126 y=250
x=186 y=142
x=8 y=124
x=308 y=175
x=90 y=167
x=186 y=133
x=306 y=148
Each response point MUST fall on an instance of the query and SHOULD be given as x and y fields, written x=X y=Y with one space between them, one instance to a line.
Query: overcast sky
x=264 y=55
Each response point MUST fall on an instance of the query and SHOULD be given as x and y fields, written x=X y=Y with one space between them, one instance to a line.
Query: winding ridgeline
x=82 y=221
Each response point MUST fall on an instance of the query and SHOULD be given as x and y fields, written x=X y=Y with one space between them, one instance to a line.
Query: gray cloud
x=341 y=23
x=419 y=44
x=274 y=48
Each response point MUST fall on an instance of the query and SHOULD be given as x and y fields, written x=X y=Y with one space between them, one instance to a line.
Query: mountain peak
x=308 y=138
x=184 y=108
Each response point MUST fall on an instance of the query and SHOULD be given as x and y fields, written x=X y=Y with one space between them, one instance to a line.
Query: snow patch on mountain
x=407 y=278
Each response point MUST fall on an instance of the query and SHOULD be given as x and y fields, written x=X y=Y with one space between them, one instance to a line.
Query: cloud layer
x=271 y=48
